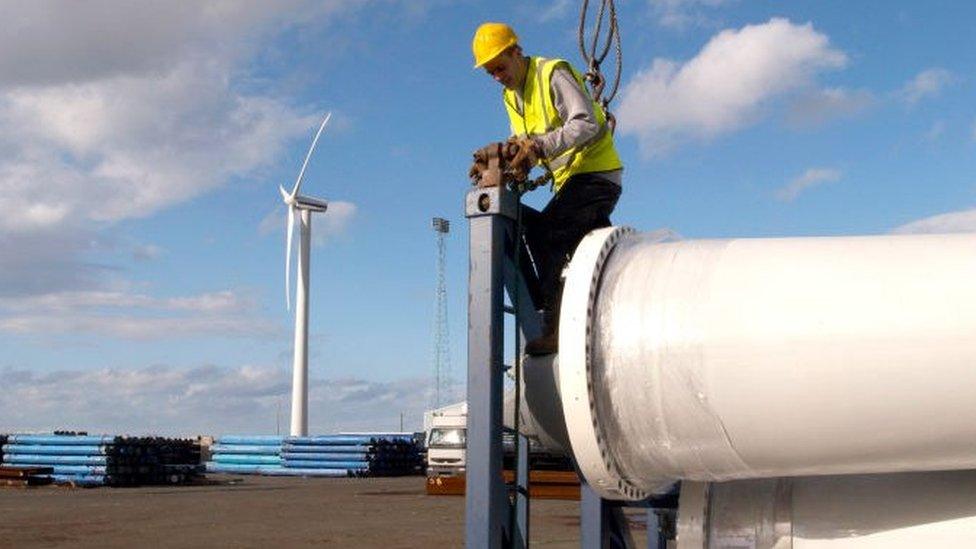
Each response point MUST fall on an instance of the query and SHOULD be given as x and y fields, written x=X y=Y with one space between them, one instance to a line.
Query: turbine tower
x=442 y=347
x=304 y=206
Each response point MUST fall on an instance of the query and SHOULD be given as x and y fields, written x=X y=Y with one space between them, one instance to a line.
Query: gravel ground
x=250 y=511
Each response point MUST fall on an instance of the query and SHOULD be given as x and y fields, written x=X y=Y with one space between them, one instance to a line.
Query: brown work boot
x=547 y=343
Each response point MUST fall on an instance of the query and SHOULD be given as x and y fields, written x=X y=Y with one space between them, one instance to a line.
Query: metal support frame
x=602 y=522
x=657 y=535
x=491 y=213
x=521 y=534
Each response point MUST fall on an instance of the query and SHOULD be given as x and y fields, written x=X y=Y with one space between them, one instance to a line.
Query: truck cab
x=446 y=440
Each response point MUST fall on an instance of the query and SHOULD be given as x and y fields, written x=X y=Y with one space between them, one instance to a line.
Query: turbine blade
x=301 y=174
x=291 y=226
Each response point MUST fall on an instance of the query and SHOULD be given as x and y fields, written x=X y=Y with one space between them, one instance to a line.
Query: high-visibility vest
x=537 y=115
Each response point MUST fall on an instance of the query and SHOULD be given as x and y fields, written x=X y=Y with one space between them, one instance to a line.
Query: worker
x=560 y=127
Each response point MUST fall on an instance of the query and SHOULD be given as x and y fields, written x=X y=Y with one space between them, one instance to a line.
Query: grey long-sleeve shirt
x=580 y=125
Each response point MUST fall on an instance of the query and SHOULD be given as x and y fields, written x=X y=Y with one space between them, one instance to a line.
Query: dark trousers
x=583 y=203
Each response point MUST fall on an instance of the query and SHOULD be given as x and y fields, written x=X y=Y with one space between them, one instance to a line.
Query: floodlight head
x=441 y=225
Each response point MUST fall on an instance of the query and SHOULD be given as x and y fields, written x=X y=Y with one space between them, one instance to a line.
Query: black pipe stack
x=105 y=460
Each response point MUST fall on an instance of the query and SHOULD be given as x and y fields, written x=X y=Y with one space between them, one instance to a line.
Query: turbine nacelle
x=302 y=202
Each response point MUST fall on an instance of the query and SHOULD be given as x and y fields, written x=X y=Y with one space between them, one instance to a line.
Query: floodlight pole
x=442 y=353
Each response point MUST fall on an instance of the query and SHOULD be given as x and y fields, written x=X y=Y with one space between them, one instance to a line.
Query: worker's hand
x=485 y=171
x=526 y=156
x=477 y=167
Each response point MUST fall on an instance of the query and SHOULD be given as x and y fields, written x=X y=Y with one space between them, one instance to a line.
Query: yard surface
x=252 y=511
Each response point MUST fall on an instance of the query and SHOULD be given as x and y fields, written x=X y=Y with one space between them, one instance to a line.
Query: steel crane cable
x=593 y=60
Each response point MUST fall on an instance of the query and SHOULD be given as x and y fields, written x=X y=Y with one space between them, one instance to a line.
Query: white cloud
x=201 y=400
x=680 y=14
x=274 y=221
x=130 y=316
x=557 y=9
x=123 y=110
x=128 y=146
x=49 y=260
x=146 y=252
x=928 y=83
x=337 y=218
x=325 y=226
x=935 y=131
x=138 y=328
x=97 y=39
x=963 y=221
x=827 y=104
x=223 y=301
x=726 y=86
x=810 y=178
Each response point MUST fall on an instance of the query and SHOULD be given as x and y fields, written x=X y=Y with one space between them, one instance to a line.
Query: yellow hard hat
x=490 y=40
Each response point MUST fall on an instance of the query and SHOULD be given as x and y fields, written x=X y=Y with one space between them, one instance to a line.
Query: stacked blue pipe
x=386 y=454
x=246 y=454
x=354 y=455
x=96 y=460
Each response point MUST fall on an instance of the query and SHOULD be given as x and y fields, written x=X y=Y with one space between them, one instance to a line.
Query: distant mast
x=442 y=346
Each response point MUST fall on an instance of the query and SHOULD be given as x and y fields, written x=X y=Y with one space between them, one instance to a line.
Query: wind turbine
x=304 y=205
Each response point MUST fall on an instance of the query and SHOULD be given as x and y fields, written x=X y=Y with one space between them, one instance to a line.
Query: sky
x=142 y=143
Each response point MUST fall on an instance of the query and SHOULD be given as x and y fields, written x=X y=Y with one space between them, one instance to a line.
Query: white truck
x=446 y=429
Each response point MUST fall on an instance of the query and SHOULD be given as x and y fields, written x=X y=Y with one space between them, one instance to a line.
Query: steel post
x=486 y=503
x=593 y=520
x=602 y=522
x=522 y=493
x=655 y=531
x=491 y=214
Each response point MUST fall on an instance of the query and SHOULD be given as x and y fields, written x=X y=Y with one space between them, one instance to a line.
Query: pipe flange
x=576 y=318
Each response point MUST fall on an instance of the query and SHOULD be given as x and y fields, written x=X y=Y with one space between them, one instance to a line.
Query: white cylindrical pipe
x=933 y=510
x=753 y=358
x=540 y=412
x=299 y=380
